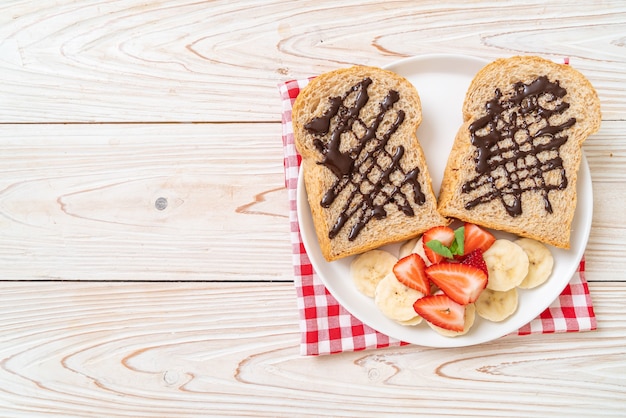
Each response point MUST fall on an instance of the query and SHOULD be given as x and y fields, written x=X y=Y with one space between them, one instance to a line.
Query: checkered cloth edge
x=327 y=327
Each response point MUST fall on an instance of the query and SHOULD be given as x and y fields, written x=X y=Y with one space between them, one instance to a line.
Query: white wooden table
x=145 y=260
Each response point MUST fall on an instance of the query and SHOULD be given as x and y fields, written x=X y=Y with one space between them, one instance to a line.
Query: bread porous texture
x=515 y=159
x=364 y=170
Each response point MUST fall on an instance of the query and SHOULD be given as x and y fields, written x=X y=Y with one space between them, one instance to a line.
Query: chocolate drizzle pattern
x=369 y=174
x=517 y=146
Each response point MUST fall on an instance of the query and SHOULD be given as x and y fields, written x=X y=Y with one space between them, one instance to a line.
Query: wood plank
x=132 y=61
x=606 y=155
x=79 y=202
x=197 y=349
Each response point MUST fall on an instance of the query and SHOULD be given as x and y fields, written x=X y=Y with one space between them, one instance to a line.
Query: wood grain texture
x=79 y=202
x=182 y=60
x=188 y=350
x=606 y=156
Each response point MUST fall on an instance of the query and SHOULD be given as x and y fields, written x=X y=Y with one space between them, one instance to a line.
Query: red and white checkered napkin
x=327 y=327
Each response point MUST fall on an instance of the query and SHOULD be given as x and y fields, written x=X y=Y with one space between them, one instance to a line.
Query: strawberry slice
x=410 y=271
x=476 y=259
x=443 y=234
x=477 y=237
x=461 y=282
x=442 y=311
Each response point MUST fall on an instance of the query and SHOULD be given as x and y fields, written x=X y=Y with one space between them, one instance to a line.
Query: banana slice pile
x=520 y=264
x=523 y=263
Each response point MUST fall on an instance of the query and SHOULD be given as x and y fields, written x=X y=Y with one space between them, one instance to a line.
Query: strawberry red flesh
x=461 y=282
x=443 y=234
x=410 y=271
x=442 y=311
x=475 y=258
x=477 y=237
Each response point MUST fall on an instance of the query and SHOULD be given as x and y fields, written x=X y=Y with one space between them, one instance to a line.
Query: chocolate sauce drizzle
x=368 y=174
x=518 y=147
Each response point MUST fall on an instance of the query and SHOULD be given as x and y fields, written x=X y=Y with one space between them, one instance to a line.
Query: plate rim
x=583 y=205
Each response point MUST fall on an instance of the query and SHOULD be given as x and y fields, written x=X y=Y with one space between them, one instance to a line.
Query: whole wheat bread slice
x=364 y=170
x=515 y=160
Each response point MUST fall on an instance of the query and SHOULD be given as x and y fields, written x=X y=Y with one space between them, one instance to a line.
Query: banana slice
x=407 y=247
x=395 y=300
x=470 y=316
x=496 y=306
x=541 y=262
x=419 y=250
x=507 y=264
x=415 y=245
x=369 y=268
x=415 y=321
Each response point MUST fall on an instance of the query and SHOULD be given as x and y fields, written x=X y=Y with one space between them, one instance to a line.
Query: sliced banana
x=541 y=262
x=369 y=268
x=470 y=316
x=496 y=306
x=407 y=247
x=415 y=321
x=419 y=250
x=395 y=300
x=507 y=264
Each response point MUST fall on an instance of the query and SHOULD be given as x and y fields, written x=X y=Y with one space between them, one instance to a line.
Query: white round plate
x=442 y=81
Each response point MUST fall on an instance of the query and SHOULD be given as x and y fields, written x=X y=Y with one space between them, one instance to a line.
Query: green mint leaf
x=439 y=248
x=458 y=246
x=454 y=248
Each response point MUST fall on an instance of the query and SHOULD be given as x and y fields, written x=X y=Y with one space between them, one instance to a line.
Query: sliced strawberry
x=410 y=271
x=462 y=282
x=475 y=258
x=442 y=311
x=443 y=234
x=477 y=237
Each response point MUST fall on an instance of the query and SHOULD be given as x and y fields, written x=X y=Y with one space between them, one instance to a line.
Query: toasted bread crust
x=535 y=220
x=320 y=175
